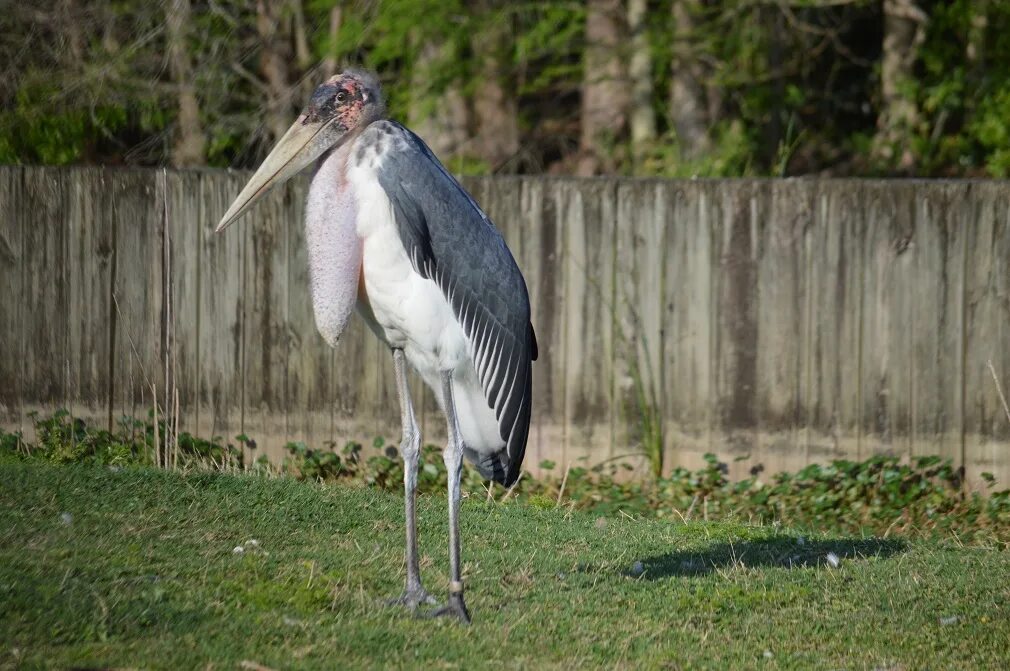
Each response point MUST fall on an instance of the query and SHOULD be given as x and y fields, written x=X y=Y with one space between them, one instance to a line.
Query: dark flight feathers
x=451 y=241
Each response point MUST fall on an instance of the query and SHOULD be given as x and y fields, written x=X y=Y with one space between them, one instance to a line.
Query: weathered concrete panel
x=777 y=321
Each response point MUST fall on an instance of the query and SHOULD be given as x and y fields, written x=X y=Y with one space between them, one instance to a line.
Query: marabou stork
x=391 y=232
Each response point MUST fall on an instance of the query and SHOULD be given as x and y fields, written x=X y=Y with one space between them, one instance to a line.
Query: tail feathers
x=495 y=466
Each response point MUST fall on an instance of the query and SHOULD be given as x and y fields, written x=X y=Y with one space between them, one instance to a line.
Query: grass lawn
x=137 y=569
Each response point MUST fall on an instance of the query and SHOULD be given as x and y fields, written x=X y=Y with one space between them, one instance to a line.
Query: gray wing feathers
x=451 y=241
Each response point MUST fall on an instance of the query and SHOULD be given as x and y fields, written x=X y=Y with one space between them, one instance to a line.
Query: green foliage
x=382 y=469
x=64 y=439
x=786 y=88
x=991 y=127
x=35 y=131
x=392 y=39
x=551 y=41
x=962 y=90
x=879 y=495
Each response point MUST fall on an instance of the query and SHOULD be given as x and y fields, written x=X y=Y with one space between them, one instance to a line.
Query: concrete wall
x=781 y=322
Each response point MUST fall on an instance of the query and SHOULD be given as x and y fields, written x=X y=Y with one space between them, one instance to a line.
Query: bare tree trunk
x=772 y=22
x=643 y=116
x=109 y=40
x=303 y=54
x=72 y=27
x=439 y=117
x=336 y=20
x=975 y=50
x=275 y=55
x=687 y=92
x=190 y=142
x=904 y=32
x=495 y=107
x=606 y=94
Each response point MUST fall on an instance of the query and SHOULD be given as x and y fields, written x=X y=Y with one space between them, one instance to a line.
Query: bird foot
x=412 y=598
x=455 y=608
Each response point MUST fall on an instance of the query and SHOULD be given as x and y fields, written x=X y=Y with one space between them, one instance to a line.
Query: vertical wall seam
x=660 y=215
x=611 y=193
x=195 y=379
x=916 y=251
x=240 y=315
x=166 y=311
x=864 y=267
x=22 y=298
x=564 y=260
x=715 y=226
x=63 y=185
x=287 y=223
x=966 y=236
x=661 y=207
x=112 y=321
x=808 y=246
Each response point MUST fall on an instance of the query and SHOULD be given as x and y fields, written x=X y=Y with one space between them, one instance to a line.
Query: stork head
x=343 y=105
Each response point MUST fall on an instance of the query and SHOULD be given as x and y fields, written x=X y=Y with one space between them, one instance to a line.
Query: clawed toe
x=412 y=598
x=455 y=608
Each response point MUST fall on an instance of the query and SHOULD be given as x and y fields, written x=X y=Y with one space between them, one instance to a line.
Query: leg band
x=455 y=587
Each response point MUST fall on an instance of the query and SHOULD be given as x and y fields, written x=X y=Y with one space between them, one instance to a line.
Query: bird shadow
x=788 y=552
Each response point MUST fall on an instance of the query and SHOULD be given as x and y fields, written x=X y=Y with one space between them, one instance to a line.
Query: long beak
x=302 y=144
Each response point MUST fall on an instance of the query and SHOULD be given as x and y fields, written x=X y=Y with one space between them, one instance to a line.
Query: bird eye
x=341 y=97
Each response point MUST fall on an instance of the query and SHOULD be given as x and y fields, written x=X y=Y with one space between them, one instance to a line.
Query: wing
x=451 y=241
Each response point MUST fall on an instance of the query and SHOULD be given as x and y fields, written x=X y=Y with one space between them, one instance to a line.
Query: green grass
x=144 y=575
x=880 y=495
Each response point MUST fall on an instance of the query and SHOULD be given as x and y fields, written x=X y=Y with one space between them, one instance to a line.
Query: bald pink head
x=338 y=110
x=353 y=99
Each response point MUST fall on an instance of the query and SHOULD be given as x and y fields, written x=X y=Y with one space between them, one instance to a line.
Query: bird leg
x=453 y=456
x=414 y=593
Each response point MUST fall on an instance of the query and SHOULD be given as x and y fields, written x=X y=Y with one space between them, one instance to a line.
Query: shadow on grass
x=777 y=552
